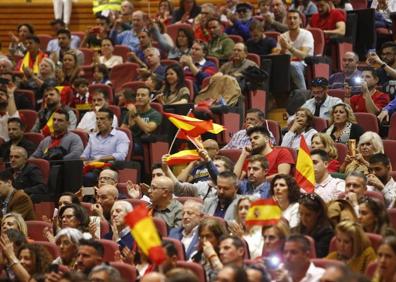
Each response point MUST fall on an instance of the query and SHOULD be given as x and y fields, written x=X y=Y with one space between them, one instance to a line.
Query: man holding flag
x=52 y=102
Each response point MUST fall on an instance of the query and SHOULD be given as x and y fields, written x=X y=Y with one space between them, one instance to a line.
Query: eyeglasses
x=106 y=178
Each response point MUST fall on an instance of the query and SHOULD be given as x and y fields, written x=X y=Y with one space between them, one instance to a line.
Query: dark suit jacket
x=177 y=233
x=30 y=179
x=21 y=203
x=29 y=146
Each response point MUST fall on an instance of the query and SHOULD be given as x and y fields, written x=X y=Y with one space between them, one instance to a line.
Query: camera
x=273 y=262
x=357 y=80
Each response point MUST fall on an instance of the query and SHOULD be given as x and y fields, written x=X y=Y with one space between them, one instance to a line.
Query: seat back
x=127 y=271
x=168 y=62
x=274 y=127
x=129 y=134
x=319 y=40
x=342 y=151
x=367 y=121
x=35 y=229
x=88 y=55
x=128 y=174
x=121 y=50
x=390 y=151
x=51 y=248
x=214 y=60
x=28 y=117
x=29 y=94
x=319 y=123
x=236 y=38
x=392 y=216
x=134 y=85
x=116 y=111
x=325 y=263
x=194 y=267
x=272 y=34
x=179 y=247
x=392 y=128
x=161 y=226
x=173 y=29
x=233 y=154
x=44 y=209
x=254 y=57
x=340 y=93
x=34 y=137
x=359 y=4
x=44 y=167
x=84 y=136
x=110 y=247
x=44 y=39
x=123 y=73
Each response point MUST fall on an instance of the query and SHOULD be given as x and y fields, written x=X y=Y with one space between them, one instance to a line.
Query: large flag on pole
x=145 y=233
x=305 y=175
x=263 y=212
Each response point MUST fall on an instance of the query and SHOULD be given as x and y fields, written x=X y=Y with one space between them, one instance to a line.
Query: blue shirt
x=261 y=191
x=129 y=38
x=116 y=144
x=53 y=45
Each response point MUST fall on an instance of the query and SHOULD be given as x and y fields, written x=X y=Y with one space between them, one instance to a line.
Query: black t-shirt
x=262 y=47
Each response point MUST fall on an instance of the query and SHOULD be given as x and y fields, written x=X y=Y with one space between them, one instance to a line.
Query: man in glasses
x=163 y=205
x=100 y=100
x=239 y=23
x=321 y=103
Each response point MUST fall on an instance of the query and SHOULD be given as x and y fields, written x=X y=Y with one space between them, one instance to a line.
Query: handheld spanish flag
x=305 y=174
x=33 y=63
x=192 y=126
x=263 y=212
x=183 y=157
x=145 y=233
x=48 y=128
x=95 y=165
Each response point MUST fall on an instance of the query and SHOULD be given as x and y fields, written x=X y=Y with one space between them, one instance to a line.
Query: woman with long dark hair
x=175 y=90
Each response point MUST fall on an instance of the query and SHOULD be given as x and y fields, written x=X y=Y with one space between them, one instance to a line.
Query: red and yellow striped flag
x=263 y=212
x=183 y=157
x=192 y=126
x=305 y=175
x=145 y=233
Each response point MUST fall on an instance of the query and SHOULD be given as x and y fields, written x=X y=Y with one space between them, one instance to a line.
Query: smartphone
x=88 y=191
x=273 y=262
x=53 y=268
x=371 y=52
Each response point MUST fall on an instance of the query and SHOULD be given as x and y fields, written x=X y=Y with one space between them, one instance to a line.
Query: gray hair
x=114 y=274
x=8 y=63
x=195 y=204
x=358 y=174
x=72 y=234
x=154 y=50
x=127 y=206
x=50 y=62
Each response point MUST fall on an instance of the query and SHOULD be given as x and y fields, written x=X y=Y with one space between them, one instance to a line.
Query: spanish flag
x=305 y=175
x=192 y=126
x=95 y=165
x=29 y=62
x=183 y=157
x=48 y=128
x=145 y=233
x=263 y=212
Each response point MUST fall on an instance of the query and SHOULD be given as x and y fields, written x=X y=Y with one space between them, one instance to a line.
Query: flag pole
x=177 y=133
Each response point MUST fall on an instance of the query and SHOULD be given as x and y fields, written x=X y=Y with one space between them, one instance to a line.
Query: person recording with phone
x=8 y=108
x=371 y=100
x=347 y=77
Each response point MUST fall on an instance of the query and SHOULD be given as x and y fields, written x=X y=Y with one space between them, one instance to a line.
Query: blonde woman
x=353 y=247
x=323 y=141
x=343 y=124
x=15 y=221
x=370 y=143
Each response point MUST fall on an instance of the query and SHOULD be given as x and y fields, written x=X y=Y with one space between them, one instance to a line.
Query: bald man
x=106 y=196
x=129 y=38
x=153 y=277
x=25 y=175
x=199 y=171
x=107 y=176
x=163 y=204
x=350 y=76
x=238 y=61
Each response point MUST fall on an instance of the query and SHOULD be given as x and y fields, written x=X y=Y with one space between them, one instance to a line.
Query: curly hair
x=293 y=189
x=41 y=258
x=350 y=115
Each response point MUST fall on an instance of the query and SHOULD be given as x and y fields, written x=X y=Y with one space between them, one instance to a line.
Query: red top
x=380 y=100
x=329 y=21
x=333 y=166
x=276 y=157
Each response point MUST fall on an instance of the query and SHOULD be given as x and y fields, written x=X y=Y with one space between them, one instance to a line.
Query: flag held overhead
x=263 y=212
x=145 y=233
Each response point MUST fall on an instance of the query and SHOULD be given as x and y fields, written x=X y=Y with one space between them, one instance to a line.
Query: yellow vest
x=103 y=5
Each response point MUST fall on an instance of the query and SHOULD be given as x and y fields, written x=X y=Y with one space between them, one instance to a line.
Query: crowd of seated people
x=97 y=104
